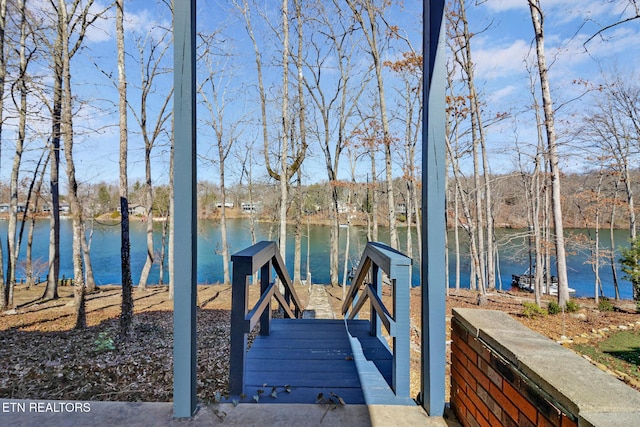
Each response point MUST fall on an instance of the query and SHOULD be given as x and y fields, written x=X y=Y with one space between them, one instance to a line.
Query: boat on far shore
x=526 y=282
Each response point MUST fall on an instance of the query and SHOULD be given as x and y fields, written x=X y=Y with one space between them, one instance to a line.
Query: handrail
x=263 y=256
x=397 y=267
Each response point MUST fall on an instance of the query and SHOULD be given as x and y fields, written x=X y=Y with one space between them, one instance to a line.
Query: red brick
x=472 y=421
x=493 y=420
x=459 y=409
x=519 y=400
x=463 y=399
x=568 y=422
x=457 y=356
x=468 y=351
x=491 y=373
x=481 y=407
x=467 y=377
x=480 y=377
x=508 y=408
x=479 y=348
x=459 y=331
x=483 y=422
x=523 y=421
x=457 y=382
x=488 y=400
x=546 y=422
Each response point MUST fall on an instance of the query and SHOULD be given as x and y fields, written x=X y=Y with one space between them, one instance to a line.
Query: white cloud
x=140 y=22
x=565 y=10
x=497 y=96
x=495 y=61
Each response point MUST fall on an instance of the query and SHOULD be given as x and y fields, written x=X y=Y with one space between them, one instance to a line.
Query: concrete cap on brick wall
x=598 y=398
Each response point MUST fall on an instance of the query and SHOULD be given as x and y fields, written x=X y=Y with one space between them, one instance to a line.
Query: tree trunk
x=284 y=140
x=374 y=197
x=90 y=283
x=126 y=316
x=3 y=73
x=163 y=244
x=51 y=291
x=297 y=253
x=223 y=227
x=612 y=258
x=537 y=19
x=146 y=269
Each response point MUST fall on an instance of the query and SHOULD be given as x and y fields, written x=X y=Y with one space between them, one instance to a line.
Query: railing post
x=238 y=345
x=376 y=285
x=402 y=337
x=265 y=280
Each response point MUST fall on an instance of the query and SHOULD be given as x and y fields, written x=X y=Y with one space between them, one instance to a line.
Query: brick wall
x=487 y=390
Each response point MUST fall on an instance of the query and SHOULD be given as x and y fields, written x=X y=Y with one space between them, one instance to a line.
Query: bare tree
x=73 y=22
x=21 y=106
x=615 y=126
x=335 y=98
x=150 y=69
x=409 y=68
x=366 y=13
x=216 y=98
x=537 y=18
x=288 y=162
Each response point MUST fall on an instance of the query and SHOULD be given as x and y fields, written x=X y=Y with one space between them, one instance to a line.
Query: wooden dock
x=318 y=361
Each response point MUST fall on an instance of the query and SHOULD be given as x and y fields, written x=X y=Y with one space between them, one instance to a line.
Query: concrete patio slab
x=30 y=413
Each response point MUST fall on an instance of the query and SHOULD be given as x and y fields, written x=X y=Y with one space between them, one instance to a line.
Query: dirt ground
x=42 y=357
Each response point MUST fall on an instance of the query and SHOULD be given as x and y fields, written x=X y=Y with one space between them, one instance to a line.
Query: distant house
x=250 y=207
x=345 y=208
x=4 y=207
x=64 y=208
x=226 y=205
x=135 y=210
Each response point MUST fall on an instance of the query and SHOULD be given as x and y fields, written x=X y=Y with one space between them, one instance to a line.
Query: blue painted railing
x=368 y=287
x=263 y=256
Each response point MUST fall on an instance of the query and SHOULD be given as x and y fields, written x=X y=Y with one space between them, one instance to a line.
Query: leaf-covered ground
x=42 y=357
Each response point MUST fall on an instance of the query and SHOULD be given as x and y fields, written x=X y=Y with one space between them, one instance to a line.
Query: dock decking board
x=313 y=356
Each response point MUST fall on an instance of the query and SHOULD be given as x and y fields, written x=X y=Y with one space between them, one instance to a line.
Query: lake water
x=105 y=252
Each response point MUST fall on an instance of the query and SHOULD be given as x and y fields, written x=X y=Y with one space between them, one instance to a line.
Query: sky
x=502 y=46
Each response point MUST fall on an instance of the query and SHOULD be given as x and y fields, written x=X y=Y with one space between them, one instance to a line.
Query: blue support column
x=433 y=210
x=185 y=258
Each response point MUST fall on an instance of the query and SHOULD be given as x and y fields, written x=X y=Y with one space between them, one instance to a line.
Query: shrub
x=631 y=266
x=554 y=307
x=605 y=305
x=104 y=342
x=531 y=310
x=572 y=306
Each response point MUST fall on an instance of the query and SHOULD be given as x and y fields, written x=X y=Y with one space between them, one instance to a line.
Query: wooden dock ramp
x=318 y=361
